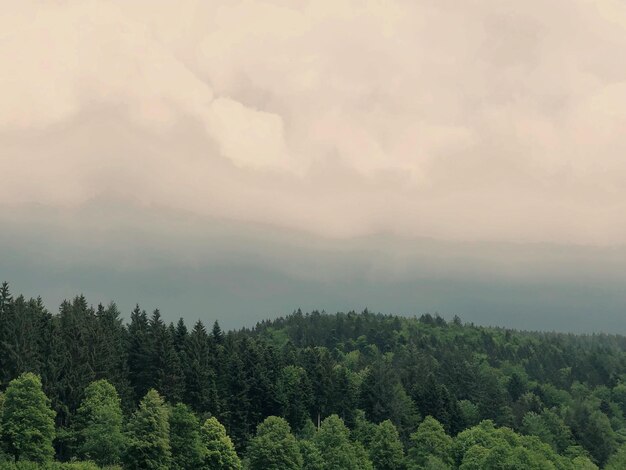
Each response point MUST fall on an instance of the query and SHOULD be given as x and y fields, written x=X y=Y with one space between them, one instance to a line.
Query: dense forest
x=83 y=389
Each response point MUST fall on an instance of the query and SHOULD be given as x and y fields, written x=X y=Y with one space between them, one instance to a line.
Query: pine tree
x=274 y=447
x=201 y=392
x=99 y=421
x=294 y=395
x=139 y=354
x=216 y=334
x=74 y=359
x=110 y=352
x=148 y=435
x=6 y=320
x=27 y=420
x=187 y=449
x=219 y=451
x=165 y=364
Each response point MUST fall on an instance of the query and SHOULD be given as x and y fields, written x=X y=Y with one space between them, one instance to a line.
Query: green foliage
x=338 y=451
x=294 y=395
x=311 y=456
x=274 y=447
x=386 y=451
x=552 y=399
x=148 y=435
x=617 y=460
x=99 y=420
x=27 y=420
x=219 y=451
x=185 y=442
x=430 y=440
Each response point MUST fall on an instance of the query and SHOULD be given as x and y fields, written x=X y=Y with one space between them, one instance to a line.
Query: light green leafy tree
x=386 y=451
x=338 y=451
x=430 y=439
x=274 y=447
x=219 y=451
x=99 y=419
x=27 y=420
x=311 y=456
x=148 y=435
x=617 y=460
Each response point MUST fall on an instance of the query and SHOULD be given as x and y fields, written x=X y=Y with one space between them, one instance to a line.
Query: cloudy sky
x=238 y=159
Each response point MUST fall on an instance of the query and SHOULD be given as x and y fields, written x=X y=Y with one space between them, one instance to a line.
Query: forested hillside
x=308 y=391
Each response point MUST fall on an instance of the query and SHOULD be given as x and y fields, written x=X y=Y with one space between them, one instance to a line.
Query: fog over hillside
x=240 y=273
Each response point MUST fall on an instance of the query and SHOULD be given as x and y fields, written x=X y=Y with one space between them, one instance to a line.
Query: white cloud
x=490 y=120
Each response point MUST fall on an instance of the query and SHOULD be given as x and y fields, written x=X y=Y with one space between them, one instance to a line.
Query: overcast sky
x=159 y=132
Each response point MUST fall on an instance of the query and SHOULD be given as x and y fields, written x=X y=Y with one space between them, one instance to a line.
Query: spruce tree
x=165 y=364
x=187 y=449
x=6 y=320
x=148 y=435
x=201 y=392
x=274 y=447
x=294 y=395
x=139 y=354
x=27 y=420
x=99 y=421
x=110 y=352
x=219 y=451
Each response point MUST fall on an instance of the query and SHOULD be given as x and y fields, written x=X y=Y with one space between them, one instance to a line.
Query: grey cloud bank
x=240 y=273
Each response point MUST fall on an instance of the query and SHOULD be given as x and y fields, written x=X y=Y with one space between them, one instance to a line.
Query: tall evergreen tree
x=201 y=392
x=294 y=395
x=165 y=364
x=139 y=353
x=110 y=352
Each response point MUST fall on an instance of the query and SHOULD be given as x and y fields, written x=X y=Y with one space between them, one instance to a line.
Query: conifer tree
x=294 y=395
x=187 y=449
x=110 y=352
x=139 y=354
x=274 y=447
x=219 y=451
x=148 y=435
x=165 y=364
x=201 y=392
x=27 y=423
x=6 y=317
x=73 y=354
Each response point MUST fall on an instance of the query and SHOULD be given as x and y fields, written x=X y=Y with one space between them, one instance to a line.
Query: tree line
x=306 y=391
